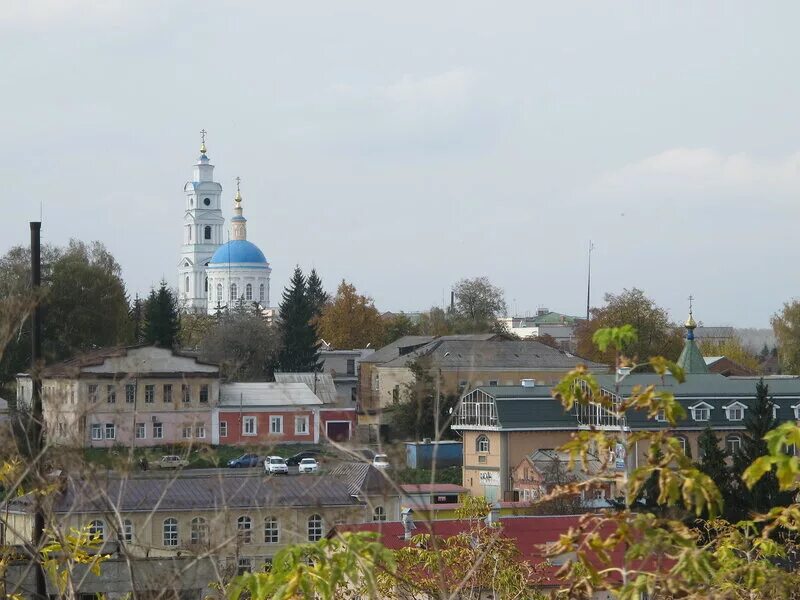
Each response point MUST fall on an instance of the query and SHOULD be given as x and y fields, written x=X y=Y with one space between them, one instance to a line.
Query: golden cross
x=203 y=133
x=238 y=181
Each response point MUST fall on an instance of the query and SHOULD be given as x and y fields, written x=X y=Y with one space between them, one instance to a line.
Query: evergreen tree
x=758 y=421
x=161 y=318
x=300 y=351
x=136 y=316
x=713 y=463
x=317 y=297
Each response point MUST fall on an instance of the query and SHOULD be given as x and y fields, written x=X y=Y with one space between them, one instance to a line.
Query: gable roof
x=408 y=343
x=319 y=383
x=363 y=478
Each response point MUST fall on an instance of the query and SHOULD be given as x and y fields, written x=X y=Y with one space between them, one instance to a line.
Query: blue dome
x=238 y=251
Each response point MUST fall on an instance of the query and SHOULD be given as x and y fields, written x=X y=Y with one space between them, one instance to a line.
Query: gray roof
x=325 y=387
x=493 y=354
x=363 y=478
x=392 y=350
x=138 y=493
x=267 y=394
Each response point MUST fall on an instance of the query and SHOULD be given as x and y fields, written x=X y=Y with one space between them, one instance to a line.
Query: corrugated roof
x=267 y=394
x=363 y=478
x=322 y=382
x=392 y=350
x=134 y=494
x=492 y=354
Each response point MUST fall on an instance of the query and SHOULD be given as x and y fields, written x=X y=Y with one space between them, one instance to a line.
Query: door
x=338 y=431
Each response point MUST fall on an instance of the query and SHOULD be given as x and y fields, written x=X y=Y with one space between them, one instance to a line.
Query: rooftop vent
x=527 y=382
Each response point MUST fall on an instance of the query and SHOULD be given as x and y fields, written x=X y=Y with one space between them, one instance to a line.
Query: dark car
x=293 y=461
x=245 y=460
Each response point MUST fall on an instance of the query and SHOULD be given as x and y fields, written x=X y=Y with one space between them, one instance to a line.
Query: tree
x=136 y=318
x=786 y=326
x=161 y=317
x=759 y=420
x=396 y=326
x=733 y=349
x=351 y=320
x=243 y=344
x=713 y=463
x=478 y=302
x=657 y=336
x=195 y=327
x=435 y=322
x=300 y=348
x=415 y=416
x=317 y=297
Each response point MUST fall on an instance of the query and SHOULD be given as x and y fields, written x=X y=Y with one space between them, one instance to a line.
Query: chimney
x=493 y=518
x=408 y=523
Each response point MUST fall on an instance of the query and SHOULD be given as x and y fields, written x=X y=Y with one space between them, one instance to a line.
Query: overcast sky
x=404 y=146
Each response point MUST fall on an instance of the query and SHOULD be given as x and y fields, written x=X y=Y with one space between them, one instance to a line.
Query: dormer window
x=796 y=410
x=701 y=412
x=661 y=416
x=735 y=411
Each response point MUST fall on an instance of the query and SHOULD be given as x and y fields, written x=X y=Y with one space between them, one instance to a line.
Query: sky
x=405 y=146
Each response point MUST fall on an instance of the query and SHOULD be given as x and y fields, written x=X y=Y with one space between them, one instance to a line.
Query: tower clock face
x=207 y=201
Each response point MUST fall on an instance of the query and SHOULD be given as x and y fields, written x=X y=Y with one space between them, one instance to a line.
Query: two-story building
x=130 y=396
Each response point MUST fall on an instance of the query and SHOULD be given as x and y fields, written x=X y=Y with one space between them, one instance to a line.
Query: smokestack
x=452 y=301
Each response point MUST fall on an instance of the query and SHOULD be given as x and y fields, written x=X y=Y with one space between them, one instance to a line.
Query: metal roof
x=321 y=384
x=267 y=394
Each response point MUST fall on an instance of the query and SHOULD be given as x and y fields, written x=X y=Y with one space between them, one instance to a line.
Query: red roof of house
x=436 y=488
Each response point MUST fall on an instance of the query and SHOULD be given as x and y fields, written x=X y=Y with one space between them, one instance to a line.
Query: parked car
x=381 y=461
x=172 y=461
x=275 y=464
x=295 y=460
x=308 y=465
x=245 y=460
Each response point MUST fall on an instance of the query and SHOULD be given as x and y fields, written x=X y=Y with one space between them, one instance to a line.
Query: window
x=493 y=382
x=733 y=443
x=223 y=429
x=701 y=412
x=158 y=431
x=205 y=285
x=189 y=228
x=219 y=292
x=244 y=527
x=200 y=432
x=775 y=409
x=167 y=392
x=353 y=394
x=204 y=393
x=186 y=284
x=93 y=392
x=97 y=529
x=301 y=425
x=482 y=444
x=186 y=432
x=249 y=424
x=140 y=431
x=130 y=393
x=379 y=514
x=396 y=395
x=111 y=394
x=186 y=393
x=198 y=531
x=684 y=444
x=207 y=201
x=261 y=294
x=482 y=458
x=97 y=431
x=351 y=366
x=149 y=393
x=314 y=528
x=170 y=532
x=244 y=565
x=276 y=424
x=111 y=431
x=661 y=416
x=735 y=411
x=271 y=533
x=796 y=409
x=462 y=384
x=248 y=292
x=127 y=530
x=234 y=292
x=207 y=231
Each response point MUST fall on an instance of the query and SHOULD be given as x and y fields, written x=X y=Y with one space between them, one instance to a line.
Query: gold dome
x=690 y=324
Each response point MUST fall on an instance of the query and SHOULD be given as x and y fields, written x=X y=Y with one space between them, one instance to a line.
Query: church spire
x=238 y=222
x=691 y=359
x=203 y=142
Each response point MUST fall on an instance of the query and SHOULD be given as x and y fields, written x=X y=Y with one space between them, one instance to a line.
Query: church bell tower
x=203 y=229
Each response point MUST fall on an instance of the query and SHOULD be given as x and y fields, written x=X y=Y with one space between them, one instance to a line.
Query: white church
x=215 y=274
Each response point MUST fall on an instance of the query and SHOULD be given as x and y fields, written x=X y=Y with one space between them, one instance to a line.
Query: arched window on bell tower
x=207 y=232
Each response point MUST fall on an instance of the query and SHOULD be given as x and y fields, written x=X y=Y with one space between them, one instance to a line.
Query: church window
x=207 y=232
x=186 y=284
x=261 y=293
x=248 y=292
x=234 y=292
x=207 y=201
x=206 y=286
x=219 y=292
x=189 y=230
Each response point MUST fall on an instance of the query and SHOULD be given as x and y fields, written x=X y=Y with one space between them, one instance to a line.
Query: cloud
x=708 y=172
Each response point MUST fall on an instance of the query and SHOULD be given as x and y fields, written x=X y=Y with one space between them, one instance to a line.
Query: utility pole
x=589 y=280
x=37 y=413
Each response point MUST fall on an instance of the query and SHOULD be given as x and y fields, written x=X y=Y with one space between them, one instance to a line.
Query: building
x=501 y=425
x=129 y=396
x=274 y=413
x=558 y=326
x=421 y=455
x=458 y=363
x=726 y=366
x=372 y=487
x=239 y=520
x=541 y=472
x=343 y=367
x=214 y=274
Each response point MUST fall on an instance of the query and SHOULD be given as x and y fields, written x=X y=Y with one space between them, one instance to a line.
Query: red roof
x=436 y=488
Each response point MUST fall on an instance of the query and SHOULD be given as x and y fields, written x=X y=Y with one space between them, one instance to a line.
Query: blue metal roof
x=238 y=251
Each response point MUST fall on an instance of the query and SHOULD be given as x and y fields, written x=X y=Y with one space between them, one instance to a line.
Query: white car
x=275 y=464
x=172 y=462
x=308 y=465
x=381 y=461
